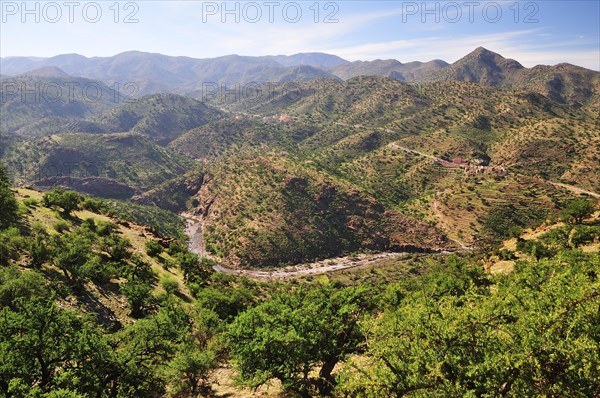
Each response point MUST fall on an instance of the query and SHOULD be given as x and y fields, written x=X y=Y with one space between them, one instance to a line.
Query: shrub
x=506 y=255
x=105 y=228
x=30 y=202
x=89 y=224
x=8 y=204
x=557 y=237
x=94 y=205
x=58 y=197
x=98 y=270
x=10 y=245
x=174 y=249
x=117 y=247
x=38 y=245
x=169 y=284
x=138 y=296
x=534 y=248
x=153 y=248
x=584 y=234
x=61 y=226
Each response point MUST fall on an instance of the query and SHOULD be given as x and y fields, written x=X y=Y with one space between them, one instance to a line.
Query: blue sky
x=533 y=32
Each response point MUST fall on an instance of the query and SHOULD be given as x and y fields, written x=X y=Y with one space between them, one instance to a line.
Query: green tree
x=188 y=372
x=578 y=210
x=11 y=245
x=43 y=346
x=38 y=245
x=289 y=335
x=8 y=204
x=117 y=247
x=138 y=296
x=71 y=252
x=153 y=248
x=68 y=201
x=193 y=269
x=169 y=284
x=226 y=302
x=17 y=286
x=534 y=334
x=148 y=345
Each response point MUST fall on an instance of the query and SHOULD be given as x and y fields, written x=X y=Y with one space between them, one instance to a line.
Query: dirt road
x=195 y=232
x=318 y=267
x=574 y=189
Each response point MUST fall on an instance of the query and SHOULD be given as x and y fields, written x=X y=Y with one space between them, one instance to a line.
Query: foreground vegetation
x=445 y=327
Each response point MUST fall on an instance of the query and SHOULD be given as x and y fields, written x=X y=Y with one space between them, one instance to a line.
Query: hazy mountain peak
x=482 y=66
x=316 y=59
x=66 y=57
x=47 y=71
x=484 y=55
x=482 y=49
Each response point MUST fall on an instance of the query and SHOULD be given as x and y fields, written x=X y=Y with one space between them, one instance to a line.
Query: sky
x=532 y=32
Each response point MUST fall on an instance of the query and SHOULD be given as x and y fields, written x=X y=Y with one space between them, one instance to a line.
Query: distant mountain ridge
x=47 y=71
x=311 y=59
x=153 y=73
x=156 y=73
x=388 y=68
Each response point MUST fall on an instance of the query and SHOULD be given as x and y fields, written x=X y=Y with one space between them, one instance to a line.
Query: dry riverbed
x=194 y=230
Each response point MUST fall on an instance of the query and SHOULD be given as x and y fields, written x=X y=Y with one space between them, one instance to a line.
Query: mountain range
x=319 y=157
x=152 y=73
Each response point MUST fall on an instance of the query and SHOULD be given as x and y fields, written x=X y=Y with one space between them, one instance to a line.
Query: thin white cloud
x=448 y=48
x=508 y=44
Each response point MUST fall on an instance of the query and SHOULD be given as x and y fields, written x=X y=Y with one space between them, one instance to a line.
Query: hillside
x=84 y=288
x=95 y=304
x=113 y=304
x=156 y=73
x=51 y=102
x=411 y=71
x=481 y=66
x=263 y=211
x=439 y=154
x=443 y=152
x=310 y=59
x=159 y=117
x=337 y=122
x=563 y=83
x=114 y=165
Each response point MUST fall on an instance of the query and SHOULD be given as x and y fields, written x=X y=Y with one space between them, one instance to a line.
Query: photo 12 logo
x=72 y=170
x=251 y=93
x=68 y=11
x=469 y=11
x=66 y=92
x=270 y=11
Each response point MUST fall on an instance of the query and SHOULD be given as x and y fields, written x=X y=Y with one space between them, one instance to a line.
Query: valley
x=197 y=245
x=366 y=229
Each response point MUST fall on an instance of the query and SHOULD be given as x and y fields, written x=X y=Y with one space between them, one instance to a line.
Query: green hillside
x=125 y=158
x=92 y=305
x=441 y=154
x=397 y=142
x=261 y=210
x=160 y=117
x=50 y=101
